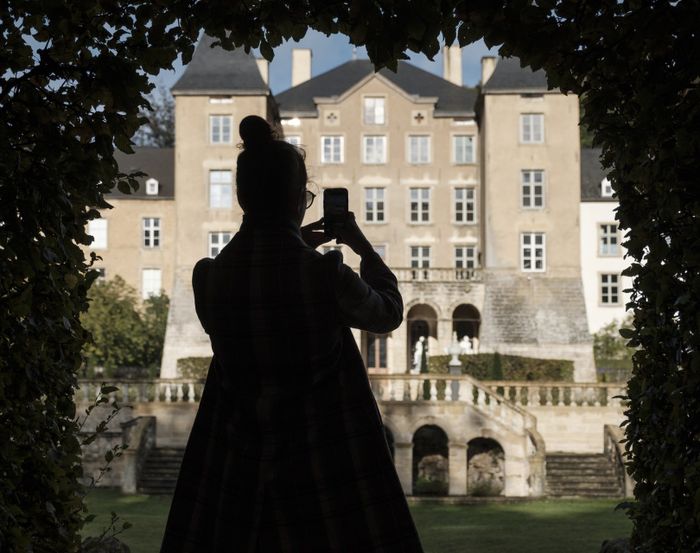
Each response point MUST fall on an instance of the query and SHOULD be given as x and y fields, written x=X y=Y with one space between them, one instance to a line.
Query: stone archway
x=466 y=323
x=430 y=461
x=421 y=321
x=485 y=468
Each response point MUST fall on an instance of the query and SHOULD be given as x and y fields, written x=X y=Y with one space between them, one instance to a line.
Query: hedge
x=495 y=366
x=193 y=367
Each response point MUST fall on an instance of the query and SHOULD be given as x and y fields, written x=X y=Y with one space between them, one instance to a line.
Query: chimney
x=301 y=65
x=488 y=66
x=452 y=64
x=264 y=67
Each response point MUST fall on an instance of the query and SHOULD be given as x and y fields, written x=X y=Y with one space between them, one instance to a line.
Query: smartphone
x=335 y=209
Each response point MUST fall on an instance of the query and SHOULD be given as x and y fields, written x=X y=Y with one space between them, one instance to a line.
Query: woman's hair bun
x=255 y=131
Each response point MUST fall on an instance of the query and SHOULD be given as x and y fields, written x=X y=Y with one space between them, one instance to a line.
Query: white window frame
x=99 y=230
x=420 y=263
x=293 y=139
x=381 y=249
x=605 y=280
x=466 y=260
x=148 y=278
x=528 y=130
x=376 y=213
x=604 y=234
x=151 y=232
x=422 y=216
x=456 y=158
x=527 y=180
x=151 y=187
x=337 y=149
x=416 y=153
x=606 y=190
x=219 y=243
x=533 y=247
x=220 y=121
x=326 y=249
x=370 y=114
x=465 y=203
x=375 y=139
x=220 y=199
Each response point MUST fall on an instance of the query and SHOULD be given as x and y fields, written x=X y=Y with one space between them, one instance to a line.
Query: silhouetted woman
x=287 y=453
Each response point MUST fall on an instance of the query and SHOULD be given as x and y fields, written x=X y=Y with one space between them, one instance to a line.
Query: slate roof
x=158 y=163
x=452 y=100
x=219 y=71
x=509 y=76
x=592 y=174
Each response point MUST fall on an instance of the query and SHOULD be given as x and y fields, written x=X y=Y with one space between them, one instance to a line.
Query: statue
x=475 y=344
x=418 y=355
x=465 y=345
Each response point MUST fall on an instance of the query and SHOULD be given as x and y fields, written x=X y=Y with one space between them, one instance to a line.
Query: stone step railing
x=559 y=394
x=436 y=274
x=129 y=391
x=421 y=388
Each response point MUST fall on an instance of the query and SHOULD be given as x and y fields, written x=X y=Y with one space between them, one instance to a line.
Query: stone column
x=457 y=467
x=444 y=332
x=403 y=461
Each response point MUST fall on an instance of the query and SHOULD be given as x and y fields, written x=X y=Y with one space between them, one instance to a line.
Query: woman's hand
x=313 y=234
x=349 y=233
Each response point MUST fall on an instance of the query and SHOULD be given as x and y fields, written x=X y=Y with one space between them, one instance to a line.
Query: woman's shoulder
x=201 y=269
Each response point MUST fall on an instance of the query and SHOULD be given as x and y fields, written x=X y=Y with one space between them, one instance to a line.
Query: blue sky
x=329 y=52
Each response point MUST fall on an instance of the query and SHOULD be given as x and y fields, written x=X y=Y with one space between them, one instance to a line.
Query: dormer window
x=151 y=187
x=606 y=190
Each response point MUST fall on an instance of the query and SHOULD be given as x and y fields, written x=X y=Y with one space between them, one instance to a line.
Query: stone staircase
x=581 y=475
x=160 y=471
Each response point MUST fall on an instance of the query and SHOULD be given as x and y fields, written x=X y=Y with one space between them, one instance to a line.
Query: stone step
x=157 y=491
x=573 y=484
x=567 y=472
x=581 y=475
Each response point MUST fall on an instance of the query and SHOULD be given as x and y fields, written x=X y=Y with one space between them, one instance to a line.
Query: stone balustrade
x=129 y=391
x=436 y=274
x=559 y=394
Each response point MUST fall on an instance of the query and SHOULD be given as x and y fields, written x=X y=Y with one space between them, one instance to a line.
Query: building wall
x=593 y=264
x=126 y=254
x=504 y=157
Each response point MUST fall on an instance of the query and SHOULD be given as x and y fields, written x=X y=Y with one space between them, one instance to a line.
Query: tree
x=124 y=333
x=73 y=81
x=159 y=131
x=609 y=344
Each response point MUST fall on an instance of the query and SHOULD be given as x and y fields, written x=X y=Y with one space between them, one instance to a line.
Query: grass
x=542 y=526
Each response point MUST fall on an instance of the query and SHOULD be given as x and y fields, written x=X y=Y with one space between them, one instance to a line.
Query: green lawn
x=546 y=526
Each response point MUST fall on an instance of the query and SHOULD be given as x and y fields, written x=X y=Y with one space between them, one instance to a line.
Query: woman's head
x=271 y=174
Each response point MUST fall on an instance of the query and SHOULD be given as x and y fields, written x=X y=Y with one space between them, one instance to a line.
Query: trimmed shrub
x=193 y=367
x=430 y=487
x=485 y=488
x=486 y=366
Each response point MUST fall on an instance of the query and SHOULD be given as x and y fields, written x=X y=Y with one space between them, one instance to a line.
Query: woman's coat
x=287 y=453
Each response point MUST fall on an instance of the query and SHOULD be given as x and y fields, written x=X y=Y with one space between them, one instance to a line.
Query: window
x=606 y=190
x=374 y=149
x=376 y=351
x=151 y=232
x=220 y=189
x=608 y=239
x=420 y=205
x=465 y=262
x=97 y=228
x=374 y=205
x=220 y=129
x=373 y=111
x=294 y=139
x=420 y=262
x=465 y=208
x=220 y=100
x=380 y=249
x=331 y=149
x=532 y=251
x=609 y=289
x=150 y=283
x=463 y=149
x=419 y=149
x=326 y=249
x=217 y=241
x=151 y=187
x=532 y=128
x=532 y=189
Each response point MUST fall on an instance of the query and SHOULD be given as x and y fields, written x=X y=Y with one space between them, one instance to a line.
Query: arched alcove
x=466 y=321
x=421 y=321
x=430 y=461
x=485 y=467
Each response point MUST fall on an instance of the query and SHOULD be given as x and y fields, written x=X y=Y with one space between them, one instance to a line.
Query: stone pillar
x=457 y=467
x=403 y=461
x=397 y=358
x=444 y=332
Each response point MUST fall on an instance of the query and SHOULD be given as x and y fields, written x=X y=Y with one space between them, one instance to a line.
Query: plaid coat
x=287 y=453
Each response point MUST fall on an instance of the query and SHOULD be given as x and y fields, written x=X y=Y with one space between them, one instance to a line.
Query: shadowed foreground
x=530 y=527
